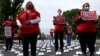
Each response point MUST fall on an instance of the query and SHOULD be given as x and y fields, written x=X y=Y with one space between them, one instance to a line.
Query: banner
x=7 y=31
x=59 y=20
x=88 y=15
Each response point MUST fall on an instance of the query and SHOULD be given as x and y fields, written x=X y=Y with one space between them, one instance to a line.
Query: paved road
x=47 y=49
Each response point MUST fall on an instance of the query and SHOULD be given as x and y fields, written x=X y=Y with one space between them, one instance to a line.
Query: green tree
x=9 y=7
x=98 y=27
x=70 y=15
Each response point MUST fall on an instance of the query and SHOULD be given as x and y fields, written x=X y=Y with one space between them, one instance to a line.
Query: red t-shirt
x=28 y=28
x=11 y=23
x=85 y=26
x=51 y=33
x=59 y=27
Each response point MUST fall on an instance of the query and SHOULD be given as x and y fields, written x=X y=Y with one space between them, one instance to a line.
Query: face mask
x=29 y=6
x=86 y=8
x=67 y=24
x=10 y=18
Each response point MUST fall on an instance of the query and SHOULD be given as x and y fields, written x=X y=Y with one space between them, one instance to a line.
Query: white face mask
x=10 y=18
x=67 y=24
x=86 y=8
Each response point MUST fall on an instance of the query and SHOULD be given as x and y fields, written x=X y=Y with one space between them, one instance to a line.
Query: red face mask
x=29 y=6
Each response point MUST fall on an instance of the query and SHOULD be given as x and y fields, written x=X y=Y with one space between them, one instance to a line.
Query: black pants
x=8 y=43
x=58 y=35
x=20 y=40
x=32 y=40
x=87 y=39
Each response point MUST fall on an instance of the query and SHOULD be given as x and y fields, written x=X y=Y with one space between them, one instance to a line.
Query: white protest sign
x=7 y=31
x=88 y=15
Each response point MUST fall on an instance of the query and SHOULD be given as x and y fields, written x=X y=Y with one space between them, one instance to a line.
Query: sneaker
x=57 y=53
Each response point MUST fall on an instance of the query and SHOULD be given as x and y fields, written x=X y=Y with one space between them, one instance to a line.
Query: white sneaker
x=57 y=53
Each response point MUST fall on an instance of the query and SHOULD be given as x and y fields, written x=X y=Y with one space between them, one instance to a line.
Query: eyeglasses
x=86 y=6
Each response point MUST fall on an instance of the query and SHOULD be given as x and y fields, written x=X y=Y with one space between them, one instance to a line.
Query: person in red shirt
x=69 y=33
x=59 y=22
x=51 y=32
x=86 y=31
x=19 y=36
x=28 y=22
x=9 y=30
x=51 y=35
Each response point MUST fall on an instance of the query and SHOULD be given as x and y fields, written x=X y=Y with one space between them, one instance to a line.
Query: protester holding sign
x=9 y=30
x=86 y=26
x=59 y=22
x=28 y=22
x=88 y=15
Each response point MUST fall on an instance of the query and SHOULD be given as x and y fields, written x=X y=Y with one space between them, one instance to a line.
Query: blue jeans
x=68 y=40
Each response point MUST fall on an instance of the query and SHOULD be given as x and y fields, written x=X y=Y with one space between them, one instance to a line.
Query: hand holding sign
x=59 y=20
x=88 y=15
